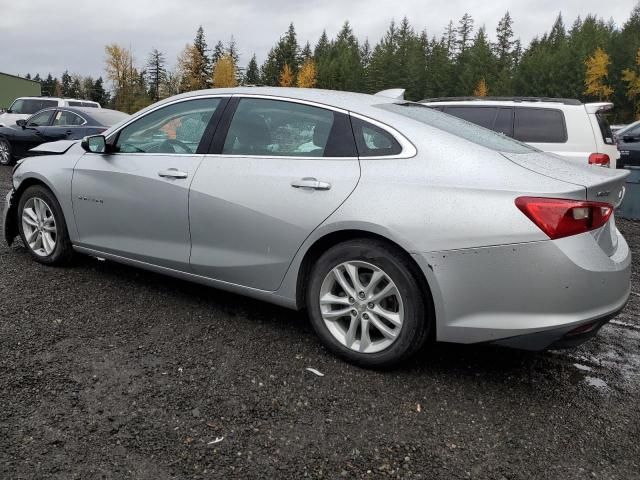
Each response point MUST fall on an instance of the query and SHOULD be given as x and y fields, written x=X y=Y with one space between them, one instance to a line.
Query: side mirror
x=94 y=144
x=21 y=123
x=629 y=138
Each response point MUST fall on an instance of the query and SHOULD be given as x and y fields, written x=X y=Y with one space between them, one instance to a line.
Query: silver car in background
x=392 y=224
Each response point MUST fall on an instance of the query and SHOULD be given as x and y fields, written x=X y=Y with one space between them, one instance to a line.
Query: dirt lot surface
x=111 y=372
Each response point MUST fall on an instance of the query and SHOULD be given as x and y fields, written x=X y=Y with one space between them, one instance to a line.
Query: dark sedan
x=51 y=124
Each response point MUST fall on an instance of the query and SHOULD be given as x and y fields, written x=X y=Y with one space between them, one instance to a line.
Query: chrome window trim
x=38 y=113
x=279 y=157
x=84 y=120
x=408 y=149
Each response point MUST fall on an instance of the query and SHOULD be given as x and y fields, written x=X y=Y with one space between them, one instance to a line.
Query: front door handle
x=312 y=183
x=172 y=173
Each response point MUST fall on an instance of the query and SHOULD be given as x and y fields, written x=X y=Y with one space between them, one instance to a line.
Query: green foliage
x=286 y=52
x=252 y=75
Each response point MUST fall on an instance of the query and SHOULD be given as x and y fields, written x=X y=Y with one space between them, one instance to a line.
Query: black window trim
x=564 y=124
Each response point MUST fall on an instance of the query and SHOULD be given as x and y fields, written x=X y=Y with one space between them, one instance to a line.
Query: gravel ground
x=111 y=372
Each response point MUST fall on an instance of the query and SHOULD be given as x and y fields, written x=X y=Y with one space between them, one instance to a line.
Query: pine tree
x=37 y=78
x=465 y=32
x=307 y=53
x=252 y=76
x=286 y=52
x=48 y=85
x=504 y=51
x=597 y=71
x=203 y=64
x=65 y=84
x=218 y=52
x=98 y=93
x=322 y=47
x=156 y=73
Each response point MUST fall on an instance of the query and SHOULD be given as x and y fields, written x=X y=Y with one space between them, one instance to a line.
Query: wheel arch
x=11 y=229
x=325 y=242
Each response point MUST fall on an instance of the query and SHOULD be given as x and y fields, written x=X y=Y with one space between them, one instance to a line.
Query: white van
x=24 y=107
x=566 y=127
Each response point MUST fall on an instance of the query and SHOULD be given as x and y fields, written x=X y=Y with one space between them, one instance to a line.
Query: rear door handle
x=172 y=173
x=312 y=183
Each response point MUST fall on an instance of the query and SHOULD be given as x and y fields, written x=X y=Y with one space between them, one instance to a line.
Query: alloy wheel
x=361 y=306
x=39 y=227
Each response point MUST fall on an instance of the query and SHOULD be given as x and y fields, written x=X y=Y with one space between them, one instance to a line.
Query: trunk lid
x=600 y=184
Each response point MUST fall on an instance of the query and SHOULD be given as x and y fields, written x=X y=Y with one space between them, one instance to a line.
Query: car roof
x=57 y=99
x=357 y=102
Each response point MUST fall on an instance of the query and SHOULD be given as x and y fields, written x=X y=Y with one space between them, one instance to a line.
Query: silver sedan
x=390 y=223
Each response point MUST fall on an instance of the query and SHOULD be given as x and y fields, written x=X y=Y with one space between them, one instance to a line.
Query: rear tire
x=6 y=157
x=42 y=227
x=376 y=321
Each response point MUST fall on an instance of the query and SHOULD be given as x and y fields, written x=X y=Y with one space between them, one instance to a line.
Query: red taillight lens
x=601 y=159
x=560 y=218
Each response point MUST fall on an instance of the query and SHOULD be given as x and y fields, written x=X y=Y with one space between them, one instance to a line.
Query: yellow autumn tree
x=596 y=74
x=481 y=89
x=190 y=64
x=123 y=75
x=307 y=74
x=632 y=79
x=224 y=73
x=286 y=76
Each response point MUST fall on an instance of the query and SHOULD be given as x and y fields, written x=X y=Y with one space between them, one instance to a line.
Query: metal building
x=12 y=87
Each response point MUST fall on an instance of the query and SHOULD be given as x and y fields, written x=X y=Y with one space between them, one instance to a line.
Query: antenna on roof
x=395 y=93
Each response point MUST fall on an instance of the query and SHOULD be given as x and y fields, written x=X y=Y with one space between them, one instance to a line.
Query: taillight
x=601 y=159
x=560 y=218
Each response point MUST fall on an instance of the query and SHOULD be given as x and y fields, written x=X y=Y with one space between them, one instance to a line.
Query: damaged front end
x=10 y=218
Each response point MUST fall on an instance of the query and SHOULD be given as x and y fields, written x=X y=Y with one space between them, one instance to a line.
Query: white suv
x=24 y=107
x=564 y=127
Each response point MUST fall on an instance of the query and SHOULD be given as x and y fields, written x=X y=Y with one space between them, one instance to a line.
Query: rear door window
x=483 y=116
x=65 y=118
x=280 y=128
x=539 y=125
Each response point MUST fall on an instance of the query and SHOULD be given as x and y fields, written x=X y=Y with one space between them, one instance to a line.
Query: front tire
x=366 y=304
x=6 y=157
x=42 y=227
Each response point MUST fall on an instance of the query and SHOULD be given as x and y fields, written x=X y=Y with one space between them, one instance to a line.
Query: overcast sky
x=41 y=36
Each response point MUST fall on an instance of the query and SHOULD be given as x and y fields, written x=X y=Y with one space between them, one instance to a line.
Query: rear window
x=605 y=128
x=483 y=116
x=373 y=141
x=539 y=125
x=108 y=117
x=28 y=106
x=461 y=128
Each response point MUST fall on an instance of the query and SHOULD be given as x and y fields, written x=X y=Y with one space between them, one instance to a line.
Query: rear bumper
x=528 y=295
x=565 y=337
